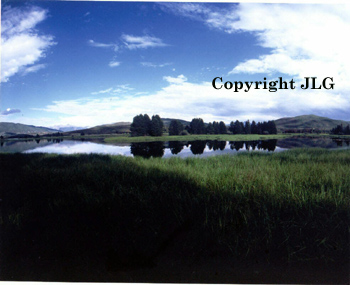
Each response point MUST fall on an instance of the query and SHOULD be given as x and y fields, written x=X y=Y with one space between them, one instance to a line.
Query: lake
x=167 y=149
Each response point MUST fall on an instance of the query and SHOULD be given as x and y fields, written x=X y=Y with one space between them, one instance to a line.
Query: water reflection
x=167 y=149
x=147 y=149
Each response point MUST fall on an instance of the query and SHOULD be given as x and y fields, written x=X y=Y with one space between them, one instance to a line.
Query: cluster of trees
x=142 y=125
x=238 y=127
x=340 y=130
x=197 y=126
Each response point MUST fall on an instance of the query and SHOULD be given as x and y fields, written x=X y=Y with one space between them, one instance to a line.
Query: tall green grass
x=74 y=214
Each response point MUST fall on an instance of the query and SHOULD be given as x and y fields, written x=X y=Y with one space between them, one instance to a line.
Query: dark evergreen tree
x=210 y=129
x=222 y=128
x=242 y=131
x=271 y=127
x=231 y=128
x=247 y=128
x=236 y=127
x=216 y=127
x=254 y=128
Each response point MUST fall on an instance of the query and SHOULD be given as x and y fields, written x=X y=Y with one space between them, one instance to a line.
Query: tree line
x=340 y=130
x=142 y=125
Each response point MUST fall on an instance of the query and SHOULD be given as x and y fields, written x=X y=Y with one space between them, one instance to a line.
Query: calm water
x=167 y=149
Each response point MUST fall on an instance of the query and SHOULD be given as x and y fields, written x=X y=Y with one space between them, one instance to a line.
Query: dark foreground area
x=250 y=218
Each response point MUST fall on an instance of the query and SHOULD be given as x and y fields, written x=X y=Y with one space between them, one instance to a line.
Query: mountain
x=308 y=122
x=67 y=128
x=11 y=129
x=116 y=128
x=167 y=121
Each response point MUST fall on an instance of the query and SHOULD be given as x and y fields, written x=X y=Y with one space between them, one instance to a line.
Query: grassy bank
x=195 y=138
x=94 y=217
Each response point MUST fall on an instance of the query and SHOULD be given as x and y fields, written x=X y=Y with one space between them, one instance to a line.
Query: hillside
x=116 y=128
x=10 y=129
x=308 y=122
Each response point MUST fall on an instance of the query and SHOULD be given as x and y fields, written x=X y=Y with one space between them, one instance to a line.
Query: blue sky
x=87 y=63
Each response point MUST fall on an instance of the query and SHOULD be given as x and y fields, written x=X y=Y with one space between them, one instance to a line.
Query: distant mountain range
x=299 y=122
x=11 y=129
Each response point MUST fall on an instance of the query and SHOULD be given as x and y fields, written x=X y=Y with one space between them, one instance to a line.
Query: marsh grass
x=73 y=214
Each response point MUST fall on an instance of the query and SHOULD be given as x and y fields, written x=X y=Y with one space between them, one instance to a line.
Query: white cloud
x=114 y=63
x=102 y=91
x=133 y=42
x=175 y=80
x=304 y=40
x=119 y=89
x=92 y=43
x=21 y=45
x=151 y=64
x=33 y=68
x=186 y=100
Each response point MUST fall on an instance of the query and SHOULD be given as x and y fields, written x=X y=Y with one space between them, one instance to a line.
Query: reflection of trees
x=37 y=141
x=237 y=145
x=197 y=147
x=215 y=145
x=147 y=149
x=61 y=140
x=1 y=144
x=247 y=146
x=269 y=145
x=175 y=147
x=254 y=144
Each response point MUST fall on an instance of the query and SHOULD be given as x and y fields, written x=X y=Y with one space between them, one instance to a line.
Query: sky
x=87 y=63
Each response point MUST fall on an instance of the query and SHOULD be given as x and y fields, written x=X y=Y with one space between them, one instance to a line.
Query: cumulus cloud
x=10 y=111
x=136 y=42
x=183 y=99
x=303 y=40
x=175 y=80
x=21 y=44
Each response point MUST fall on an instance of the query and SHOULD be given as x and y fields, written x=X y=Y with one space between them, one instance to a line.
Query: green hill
x=11 y=129
x=308 y=122
x=116 y=128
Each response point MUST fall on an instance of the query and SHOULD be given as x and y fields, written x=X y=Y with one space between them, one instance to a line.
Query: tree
x=175 y=128
x=236 y=127
x=271 y=127
x=156 y=126
x=141 y=125
x=254 y=128
x=222 y=128
x=247 y=128
x=210 y=129
x=197 y=126
x=231 y=128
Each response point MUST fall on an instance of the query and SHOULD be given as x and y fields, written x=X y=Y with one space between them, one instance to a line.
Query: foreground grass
x=73 y=215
